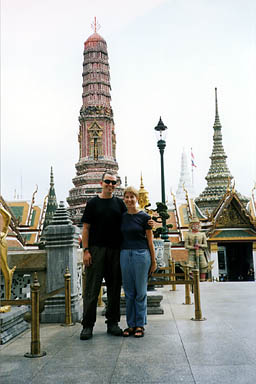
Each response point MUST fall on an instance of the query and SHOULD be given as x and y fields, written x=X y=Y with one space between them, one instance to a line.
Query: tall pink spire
x=97 y=139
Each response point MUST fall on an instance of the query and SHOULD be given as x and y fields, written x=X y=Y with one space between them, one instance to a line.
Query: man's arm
x=87 y=259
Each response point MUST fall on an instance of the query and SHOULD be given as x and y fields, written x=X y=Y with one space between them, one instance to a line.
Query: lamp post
x=161 y=144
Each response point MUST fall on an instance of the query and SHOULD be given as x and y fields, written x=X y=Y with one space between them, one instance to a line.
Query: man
x=101 y=239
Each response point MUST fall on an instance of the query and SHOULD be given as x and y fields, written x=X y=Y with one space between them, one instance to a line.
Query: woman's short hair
x=132 y=190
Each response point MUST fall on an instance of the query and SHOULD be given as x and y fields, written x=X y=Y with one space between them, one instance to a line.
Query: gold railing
x=35 y=301
x=169 y=278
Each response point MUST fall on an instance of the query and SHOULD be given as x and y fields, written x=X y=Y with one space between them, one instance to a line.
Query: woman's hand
x=153 y=267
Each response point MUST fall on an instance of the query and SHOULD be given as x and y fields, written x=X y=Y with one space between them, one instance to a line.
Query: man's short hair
x=111 y=173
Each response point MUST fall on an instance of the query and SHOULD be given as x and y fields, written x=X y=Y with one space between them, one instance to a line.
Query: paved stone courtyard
x=175 y=349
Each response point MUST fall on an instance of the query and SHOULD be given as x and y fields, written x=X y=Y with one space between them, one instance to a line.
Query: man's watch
x=85 y=249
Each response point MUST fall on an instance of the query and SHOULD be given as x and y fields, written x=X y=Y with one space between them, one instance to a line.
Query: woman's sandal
x=139 y=332
x=128 y=332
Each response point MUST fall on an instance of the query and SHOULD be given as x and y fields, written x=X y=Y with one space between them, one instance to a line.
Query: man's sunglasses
x=113 y=182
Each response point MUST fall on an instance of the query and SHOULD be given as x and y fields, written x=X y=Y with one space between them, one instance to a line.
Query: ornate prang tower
x=97 y=139
x=218 y=177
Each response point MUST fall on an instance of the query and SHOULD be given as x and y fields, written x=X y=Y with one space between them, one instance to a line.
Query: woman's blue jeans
x=135 y=264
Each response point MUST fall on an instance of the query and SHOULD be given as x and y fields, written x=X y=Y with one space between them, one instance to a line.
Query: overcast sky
x=166 y=57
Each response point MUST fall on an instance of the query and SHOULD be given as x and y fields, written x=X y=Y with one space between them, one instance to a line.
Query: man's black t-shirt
x=104 y=217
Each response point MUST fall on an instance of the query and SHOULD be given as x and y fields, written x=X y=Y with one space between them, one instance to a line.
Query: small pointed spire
x=52 y=204
x=143 y=195
x=141 y=181
x=51 y=178
x=217 y=118
x=218 y=177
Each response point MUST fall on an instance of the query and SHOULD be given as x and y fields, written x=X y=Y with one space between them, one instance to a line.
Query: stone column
x=62 y=246
x=214 y=256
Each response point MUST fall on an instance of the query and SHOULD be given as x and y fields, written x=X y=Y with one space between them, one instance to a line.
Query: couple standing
x=109 y=224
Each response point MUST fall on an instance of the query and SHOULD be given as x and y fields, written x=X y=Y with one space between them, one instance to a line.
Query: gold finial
x=143 y=195
x=95 y=25
x=31 y=206
x=233 y=187
x=173 y=197
x=35 y=278
x=67 y=273
x=194 y=208
x=190 y=213
x=35 y=284
x=185 y=190
x=141 y=181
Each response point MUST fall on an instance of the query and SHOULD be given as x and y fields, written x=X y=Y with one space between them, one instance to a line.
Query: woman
x=137 y=261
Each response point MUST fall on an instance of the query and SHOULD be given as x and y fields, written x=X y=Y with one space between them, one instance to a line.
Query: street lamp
x=161 y=144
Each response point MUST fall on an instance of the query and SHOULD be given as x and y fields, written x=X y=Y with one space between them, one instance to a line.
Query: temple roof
x=231 y=234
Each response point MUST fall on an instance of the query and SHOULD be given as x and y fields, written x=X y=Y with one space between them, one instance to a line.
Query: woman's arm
x=149 y=236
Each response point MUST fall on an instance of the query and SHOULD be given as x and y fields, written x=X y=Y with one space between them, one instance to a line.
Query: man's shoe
x=114 y=329
x=86 y=334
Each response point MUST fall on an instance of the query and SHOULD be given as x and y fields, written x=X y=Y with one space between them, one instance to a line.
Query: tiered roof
x=218 y=177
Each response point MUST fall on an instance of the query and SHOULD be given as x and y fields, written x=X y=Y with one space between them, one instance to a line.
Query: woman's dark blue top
x=133 y=228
